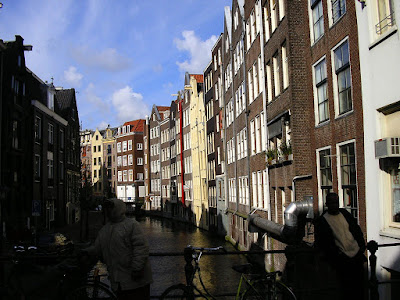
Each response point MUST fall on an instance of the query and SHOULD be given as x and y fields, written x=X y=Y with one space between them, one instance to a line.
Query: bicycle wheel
x=264 y=290
x=91 y=291
x=177 y=291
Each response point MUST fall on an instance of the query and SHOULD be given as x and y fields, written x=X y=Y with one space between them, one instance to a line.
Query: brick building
x=130 y=164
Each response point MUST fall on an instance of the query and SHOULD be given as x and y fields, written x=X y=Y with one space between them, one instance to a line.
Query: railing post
x=372 y=247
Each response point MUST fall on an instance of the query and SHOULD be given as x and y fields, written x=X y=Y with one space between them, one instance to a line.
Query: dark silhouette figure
x=122 y=246
x=341 y=241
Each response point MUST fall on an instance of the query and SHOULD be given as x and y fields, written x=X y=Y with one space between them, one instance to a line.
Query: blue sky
x=121 y=56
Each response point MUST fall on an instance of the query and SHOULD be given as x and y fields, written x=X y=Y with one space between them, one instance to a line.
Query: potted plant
x=285 y=150
x=271 y=155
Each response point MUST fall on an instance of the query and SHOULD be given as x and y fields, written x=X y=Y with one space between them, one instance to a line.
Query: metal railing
x=388 y=21
x=372 y=247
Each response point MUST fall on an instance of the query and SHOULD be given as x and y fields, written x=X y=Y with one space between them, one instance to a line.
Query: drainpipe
x=301 y=177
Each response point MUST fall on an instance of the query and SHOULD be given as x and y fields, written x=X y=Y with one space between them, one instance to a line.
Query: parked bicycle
x=252 y=285
x=30 y=275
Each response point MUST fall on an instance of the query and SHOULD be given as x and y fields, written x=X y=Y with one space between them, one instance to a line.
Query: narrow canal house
x=197 y=141
x=66 y=99
x=129 y=141
x=153 y=157
x=379 y=49
x=165 y=155
x=34 y=147
x=217 y=205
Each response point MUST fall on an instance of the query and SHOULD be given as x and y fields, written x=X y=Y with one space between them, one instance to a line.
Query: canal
x=166 y=236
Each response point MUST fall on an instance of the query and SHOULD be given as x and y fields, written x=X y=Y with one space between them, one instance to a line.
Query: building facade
x=130 y=164
x=379 y=60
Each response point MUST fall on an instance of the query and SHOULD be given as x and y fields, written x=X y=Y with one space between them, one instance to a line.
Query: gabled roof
x=65 y=98
x=136 y=125
x=198 y=77
x=162 y=108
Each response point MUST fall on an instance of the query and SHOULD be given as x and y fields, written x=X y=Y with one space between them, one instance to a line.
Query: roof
x=136 y=125
x=163 y=108
x=198 y=77
x=65 y=98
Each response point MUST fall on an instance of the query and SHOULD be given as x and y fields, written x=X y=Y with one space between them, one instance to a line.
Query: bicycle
x=32 y=276
x=260 y=285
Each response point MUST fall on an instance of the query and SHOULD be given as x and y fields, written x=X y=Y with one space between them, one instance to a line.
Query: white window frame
x=335 y=79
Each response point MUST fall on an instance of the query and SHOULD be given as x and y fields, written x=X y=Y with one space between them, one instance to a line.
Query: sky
x=121 y=56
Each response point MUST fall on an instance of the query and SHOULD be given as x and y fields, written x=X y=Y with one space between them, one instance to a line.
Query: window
x=285 y=66
x=38 y=129
x=50 y=101
x=61 y=171
x=51 y=133
x=343 y=77
x=320 y=91
x=384 y=16
x=61 y=139
x=125 y=175
x=139 y=176
x=15 y=135
x=348 y=182
x=274 y=17
x=119 y=147
x=250 y=85
x=99 y=148
x=395 y=195
x=37 y=166
x=124 y=161
x=130 y=175
x=119 y=161
x=140 y=161
x=119 y=175
x=269 y=82
x=338 y=9
x=50 y=165
x=129 y=145
x=276 y=74
x=95 y=161
x=317 y=29
x=124 y=146
x=281 y=9
x=325 y=176
x=266 y=24
x=130 y=159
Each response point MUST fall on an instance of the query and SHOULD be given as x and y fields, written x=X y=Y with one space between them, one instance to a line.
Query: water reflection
x=168 y=236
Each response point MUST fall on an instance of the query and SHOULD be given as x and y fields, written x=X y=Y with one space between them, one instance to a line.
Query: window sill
x=344 y=115
x=383 y=37
x=390 y=232
x=322 y=124
x=333 y=24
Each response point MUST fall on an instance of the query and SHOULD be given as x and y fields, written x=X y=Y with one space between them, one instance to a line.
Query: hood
x=117 y=213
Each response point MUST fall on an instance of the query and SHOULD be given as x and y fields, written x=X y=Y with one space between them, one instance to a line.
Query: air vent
x=387 y=147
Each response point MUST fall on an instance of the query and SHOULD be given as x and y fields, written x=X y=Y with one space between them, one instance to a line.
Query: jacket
x=325 y=240
x=122 y=246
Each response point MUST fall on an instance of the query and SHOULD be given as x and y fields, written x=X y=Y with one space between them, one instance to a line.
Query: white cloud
x=102 y=125
x=93 y=99
x=108 y=59
x=72 y=76
x=200 y=51
x=129 y=105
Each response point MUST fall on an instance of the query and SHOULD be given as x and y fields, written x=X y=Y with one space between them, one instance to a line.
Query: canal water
x=166 y=236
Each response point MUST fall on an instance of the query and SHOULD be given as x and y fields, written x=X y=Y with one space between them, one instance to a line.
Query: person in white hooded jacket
x=122 y=246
